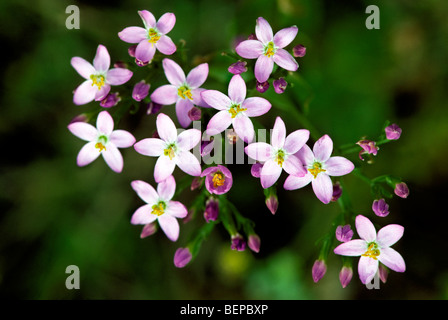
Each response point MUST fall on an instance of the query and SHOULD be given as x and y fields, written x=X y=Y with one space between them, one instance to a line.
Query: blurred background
x=54 y=214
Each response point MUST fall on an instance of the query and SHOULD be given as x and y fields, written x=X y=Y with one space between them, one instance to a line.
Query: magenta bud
x=111 y=100
x=121 y=64
x=131 y=50
x=141 y=63
x=280 y=85
x=238 y=243
x=182 y=257
x=344 y=233
x=254 y=242
x=196 y=183
x=140 y=91
x=383 y=273
x=255 y=170
x=272 y=203
x=393 y=132
x=319 y=270
x=262 y=86
x=401 y=190
x=80 y=118
x=380 y=207
x=153 y=108
x=299 y=51
x=252 y=36
x=337 y=191
x=194 y=114
x=345 y=276
x=211 y=210
x=206 y=146
x=148 y=230
x=368 y=147
x=238 y=67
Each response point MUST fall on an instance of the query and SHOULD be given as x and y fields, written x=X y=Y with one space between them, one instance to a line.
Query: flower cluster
x=186 y=151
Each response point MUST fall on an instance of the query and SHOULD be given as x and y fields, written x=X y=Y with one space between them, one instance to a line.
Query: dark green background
x=54 y=214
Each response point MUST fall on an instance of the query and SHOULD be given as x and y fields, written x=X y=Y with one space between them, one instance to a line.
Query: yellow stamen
x=235 y=109
x=280 y=158
x=169 y=152
x=153 y=36
x=158 y=209
x=372 y=251
x=97 y=80
x=270 y=50
x=317 y=168
x=100 y=146
x=218 y=179
x=185 y=92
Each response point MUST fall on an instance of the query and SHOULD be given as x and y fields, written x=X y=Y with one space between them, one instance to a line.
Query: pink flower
x=140 y=91
x=172 y=149
x=393 y=132
x=234 y=109
x=268 y=48
x=185 y=92
x=98 y=77
x=151 y=37
x=102 y=140
x=368 y=147
x=279 y=154
x=218 y=180
x=320 y=166
x=159 y=206
x=373 y=248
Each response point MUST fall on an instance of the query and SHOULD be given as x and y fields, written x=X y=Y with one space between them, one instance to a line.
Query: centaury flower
x=159 y=206
x=319 y=167
x=185 y=92
x=98 y=77
x=151 y=37
x=218 y=180
x=373 y=248
x=234 y=109
x=268 y=48
x=172 y=149
x=279 y=154
x=102 y=140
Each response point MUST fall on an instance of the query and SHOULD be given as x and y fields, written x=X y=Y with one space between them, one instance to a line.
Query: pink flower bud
x=299 y=51
x=255 y=170
x=182 y=257
x=262 y=86
x=196 y=183
x=131 y=50
x=254 y=242
x=344 y=233
x=272 y=203
x=206 y=146
x=153 y=108
x=140 y=91
x=401 y=190
x=380 y=207
x=211 y=210
x=345 y=276
x=238 y=67
x=319 y=270
x=80 y=118
x=383 y=273
x=393 y=132
x=111 y=100
x=238 y=243
x=368 y=147
x=194 y=114
x=337 y=192
x=148 y=230
x=280 y=85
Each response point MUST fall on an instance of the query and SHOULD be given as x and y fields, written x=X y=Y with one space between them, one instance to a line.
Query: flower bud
x=182 y=257
x=140 y=91
x=194 y=114
x=148 y=230
x=368 y=147
x=141 y=63
x=383 y=273
x=211 y=210
x=252 y=36
x=319 y=270
x=131 y=50
x=196 y=183
x=254 y=242
x=80 y=118
x=401 y=190
x=238 y=67
x=272 y=203
x=337 y=191
x=238 y=243
x=262 y=86
x=393 y=132
x=280 y=85
x=206 y=146
x=255 y=169
x=380 y=207
x=344 y=233
x=111 y=100
x=299 y=51
x=345 y=276
x=153 y=108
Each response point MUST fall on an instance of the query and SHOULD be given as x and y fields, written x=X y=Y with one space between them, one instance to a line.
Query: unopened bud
x=393 y=132
x=140 y=91
x=238 y=243
x=319 y=270
x=148 y=230
x=262 y=86
x=211 y=210
x=401 y=190
x=344 y=233
x=254 y=242
x=182 y=257
x=111 y=100
x=280 y=85
x=380 y=207
x=272 y=203
x=337 y=191
x=194 y=114
x=345 y=276
x=238 y=67
x=299 y=51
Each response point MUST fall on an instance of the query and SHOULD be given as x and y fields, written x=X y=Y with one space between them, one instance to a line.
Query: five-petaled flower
x=218 y=180
x=102 y=140
x=151 y=37
x=159 y=206
x=373 y=248
x=268 y=48
x=185 y=92
x=279 y=154
x=234 y=109
x=319 y=166
x=98 y=77
x=172 y=149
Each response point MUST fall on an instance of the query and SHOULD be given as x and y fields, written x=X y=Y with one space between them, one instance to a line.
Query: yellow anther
x=235 y=109
x=169 y=152
x=270 y=50
x=218 y=179
x=185 y=92
x=372 y=251
x=100 y=146
x=317 y=168
x=97 y=80
x=153 y=36
x=158 y=209
x=280 y=158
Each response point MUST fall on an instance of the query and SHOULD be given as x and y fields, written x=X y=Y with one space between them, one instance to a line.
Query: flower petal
x=105 y=123
x=173 y=72
x=237 y=89
x=263 y=30
x=367 y=268
x=352 y=248
x=164 y=168
x=294 y=166
x=305 y=155
x=102 y=93
x=170 y=226
x=83 y=67
x=296 y=140
x=218 y=123
x=323 y=148
x=84 y=131
x=166 y=45
x=365 y=228
x=323 y=187
x=113 y=158
x=166 y=23
x=197 y=98
x=122 y=138
x=165 y=95
x=133 y=34
x=87 y=154
x=188 y=139
x=143 y=215
x=145 y=51
x=259 y=151
x=216 y=99
x=165 y=128
x=166 y=188
x=197 y=76
x=183 y=106
x=278 y=133
x=101 y=62
x=285 y=36
x=338 y=166
x=188 y=163
x=389 y=234
x=176 y=209
x=148 y=18
x=84 y=93
x=250 y=49
x=285 y=60
x=294 y=182
x=392 y=259
x=145 y=191
x=270 y=173
x=244 y=128
x=151 y=147
x=256 y=106
x=118 y=76
x=263 y=68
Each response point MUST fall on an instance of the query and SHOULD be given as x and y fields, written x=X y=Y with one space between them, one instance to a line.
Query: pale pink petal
x=216 y=99
x=352 y=248
x=145 y=51
x=278 y=133
x=188 y=163
x=188 y=139
x=389 y=234
x=83 y=67
x=165 y=128
x=270 y=173
x=173 y=72
x=237 y=89
x=197 y=76
x=133 y=34
x=176 y=209
x=166 y=45
x=294 y=182
x=164 y=168
x=392 y=259
x=105 y=123
x=250 y=49
x=166 y=22
x=285 y=36
x=148 y=18
x=122 y=138
x=367 y=268
x=166 y=188
x=263 y=68
x=256 y=106
x=183 y=106
x=296 y=140
x=219 y=122
x=259 y=151
x=170 y=226
x=293 y=166
x=145 y=191
x=143 y=215
x=101 y=62
x=84 y=131
x=365 y=228
x=305 y=155
x=263 y=30
x=87 y=154
x=151 y=147
x=323 y=148
x=84 y=93
x=197 y=98
x=323 y=187
x=113 y=158
x=165 y=95
x=244 y=128
x=338 y=166
x=102 y=93
x=118 y=76
x=285 y=60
